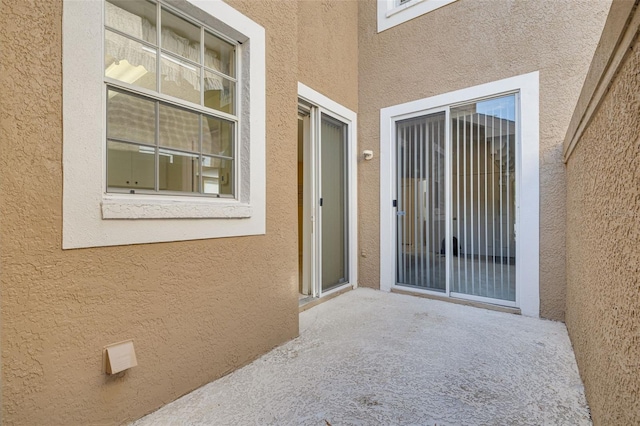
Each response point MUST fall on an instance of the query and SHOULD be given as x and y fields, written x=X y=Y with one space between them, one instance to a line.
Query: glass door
x=483 y=198
x=421 y=222
x=456 y=201
x=333 y=203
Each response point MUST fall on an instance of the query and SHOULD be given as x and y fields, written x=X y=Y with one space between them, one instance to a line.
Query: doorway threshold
x=307 y=302
x=489 y=306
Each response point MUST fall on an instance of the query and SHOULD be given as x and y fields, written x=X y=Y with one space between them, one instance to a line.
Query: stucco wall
x=603 y=259
x=468 y=43
x=328 y=49
x=195 y=309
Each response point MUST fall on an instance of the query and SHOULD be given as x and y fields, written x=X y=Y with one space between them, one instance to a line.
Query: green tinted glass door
x=333 y=192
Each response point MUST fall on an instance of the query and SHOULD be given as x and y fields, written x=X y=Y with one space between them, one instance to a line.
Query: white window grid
x=158 y=97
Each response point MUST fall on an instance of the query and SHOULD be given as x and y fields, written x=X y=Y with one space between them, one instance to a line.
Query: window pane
x=180 y=79
x=130 y=118
x=217 y=176
x=180 y=37
x=129 y=61
x=220 y=93
x=219 y=55
x=136 y=18
x=178 y=171
x=130 y=166
x=217 y=136
x=179 y=129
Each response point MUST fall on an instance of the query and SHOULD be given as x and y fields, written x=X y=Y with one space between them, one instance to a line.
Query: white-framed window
x=171 y=102
x=485 y=247
x=164 y=122
x=395 y=12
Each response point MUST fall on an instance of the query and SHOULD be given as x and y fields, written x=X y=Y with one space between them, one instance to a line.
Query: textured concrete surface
x=368 y=357
x=603 y=259
x=464 y=44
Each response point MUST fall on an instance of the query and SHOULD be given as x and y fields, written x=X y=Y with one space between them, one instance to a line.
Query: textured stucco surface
x=328 y=49
x=464 y=44
x=374 y=358
x=603 y=258
x=194 y=309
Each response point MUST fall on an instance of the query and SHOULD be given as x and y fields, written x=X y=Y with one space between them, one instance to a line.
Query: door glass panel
x=421 y=223
x=333 y=148
x=483 y=198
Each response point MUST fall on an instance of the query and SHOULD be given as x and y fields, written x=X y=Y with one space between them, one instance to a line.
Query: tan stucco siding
x=328 y=49
x=464 y=44
x=603 y=259
x=196 y=309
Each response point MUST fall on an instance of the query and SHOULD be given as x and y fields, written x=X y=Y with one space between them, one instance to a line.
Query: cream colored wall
x=603 y=258
x=466 y=43
x=194 y=309
x=328 y=49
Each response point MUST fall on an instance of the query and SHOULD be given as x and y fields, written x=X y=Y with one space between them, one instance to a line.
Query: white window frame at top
x=392 y=12
x=91 y=216
x=526 y=86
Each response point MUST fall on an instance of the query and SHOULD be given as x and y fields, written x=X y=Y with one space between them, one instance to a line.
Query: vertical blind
x=483 y=198
x=421 y=202
x=481 y=252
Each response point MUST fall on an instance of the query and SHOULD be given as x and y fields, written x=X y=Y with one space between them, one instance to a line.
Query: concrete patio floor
x=374 y=358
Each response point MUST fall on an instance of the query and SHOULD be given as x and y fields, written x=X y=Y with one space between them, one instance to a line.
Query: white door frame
x=308 y=252
x=527 y=180
x=311 y=210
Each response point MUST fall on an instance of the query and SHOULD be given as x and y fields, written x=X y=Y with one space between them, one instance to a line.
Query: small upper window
x=171 y=102
x=395 y=12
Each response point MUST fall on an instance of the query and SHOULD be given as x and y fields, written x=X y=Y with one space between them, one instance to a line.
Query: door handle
x=400 y=213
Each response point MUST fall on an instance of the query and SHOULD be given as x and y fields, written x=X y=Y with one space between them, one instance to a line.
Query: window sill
x=144 y=207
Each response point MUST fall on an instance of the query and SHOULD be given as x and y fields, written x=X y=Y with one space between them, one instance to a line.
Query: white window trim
x=91 y=217
x=391 y=13
x=351 y=119
x=527 y=176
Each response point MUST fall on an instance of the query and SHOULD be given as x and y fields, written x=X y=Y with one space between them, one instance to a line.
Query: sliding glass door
x=455 y=195
x=334 y=202
x=421 y=222
x=483 y=201
x=326 y=198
